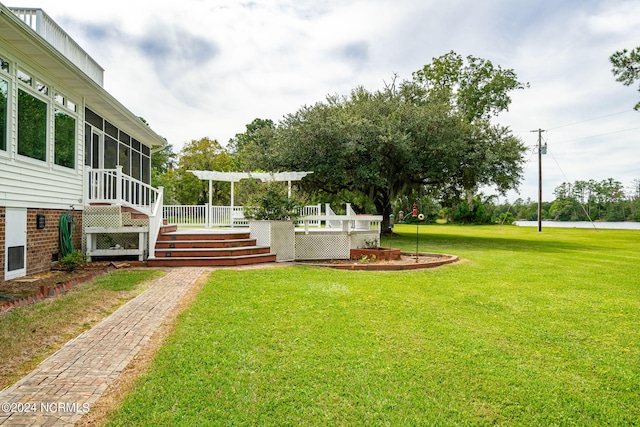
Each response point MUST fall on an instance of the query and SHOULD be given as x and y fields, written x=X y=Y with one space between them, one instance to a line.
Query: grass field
x=528 y=329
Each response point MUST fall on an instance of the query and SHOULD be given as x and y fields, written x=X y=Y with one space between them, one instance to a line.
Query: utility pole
x=540 y=176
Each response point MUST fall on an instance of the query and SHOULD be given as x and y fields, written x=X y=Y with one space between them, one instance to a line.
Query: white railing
x=186 y=215
x=113 y=186
x=348 y=223
x=330 y=212
x=227 y=216
x=218 y=216
x=46 y=27
x=311 y=210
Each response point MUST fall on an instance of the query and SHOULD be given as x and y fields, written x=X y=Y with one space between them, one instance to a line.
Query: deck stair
x=207 y=247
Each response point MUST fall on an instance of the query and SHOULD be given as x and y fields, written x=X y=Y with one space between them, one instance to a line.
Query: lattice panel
x=278 y=235
x=117 y=241
x=261 y=231
x=322 y=246
x=359 y=240
x=283 y=240
x=102 y=216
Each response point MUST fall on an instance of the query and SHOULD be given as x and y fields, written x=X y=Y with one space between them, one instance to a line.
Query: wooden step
x=197 y=247
x=174 y=235
x=203 y=244
x=212 y=261
x=211 y=252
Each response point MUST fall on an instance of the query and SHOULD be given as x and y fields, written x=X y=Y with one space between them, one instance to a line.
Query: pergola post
x=210 y=204
x=232 y=204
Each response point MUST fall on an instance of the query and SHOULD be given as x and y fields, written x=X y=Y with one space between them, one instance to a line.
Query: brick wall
x=42 y=244
x=2 y=213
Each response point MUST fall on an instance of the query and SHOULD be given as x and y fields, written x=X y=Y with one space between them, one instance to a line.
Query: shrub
x=272 y=202
x=72 y=261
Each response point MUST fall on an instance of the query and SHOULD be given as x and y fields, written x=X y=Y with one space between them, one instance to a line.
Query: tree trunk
x=383 y=206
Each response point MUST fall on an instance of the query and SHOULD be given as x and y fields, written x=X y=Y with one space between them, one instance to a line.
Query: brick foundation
x=42 y=244
x=2 y=250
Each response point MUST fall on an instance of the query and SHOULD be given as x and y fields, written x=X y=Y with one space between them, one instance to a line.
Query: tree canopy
x=182 y=187
x=433 y=132
x=626 y=67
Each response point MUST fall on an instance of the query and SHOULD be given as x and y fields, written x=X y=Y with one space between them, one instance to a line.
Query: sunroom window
x=65 y=140
x=4 y=111
x=32 y=126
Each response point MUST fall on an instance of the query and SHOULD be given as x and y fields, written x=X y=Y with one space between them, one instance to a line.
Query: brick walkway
x=64 y=386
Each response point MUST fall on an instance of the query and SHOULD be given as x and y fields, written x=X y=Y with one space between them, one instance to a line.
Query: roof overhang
x=51 y=62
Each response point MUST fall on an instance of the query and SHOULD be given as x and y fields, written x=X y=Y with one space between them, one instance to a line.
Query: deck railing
x=227 y=216
x=46 y=27
x=113 y=186
x=216 y=216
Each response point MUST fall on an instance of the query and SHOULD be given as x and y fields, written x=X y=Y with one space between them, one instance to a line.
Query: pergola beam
x=234 y=177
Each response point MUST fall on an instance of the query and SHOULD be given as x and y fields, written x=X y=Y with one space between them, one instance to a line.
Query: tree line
x=590 y=200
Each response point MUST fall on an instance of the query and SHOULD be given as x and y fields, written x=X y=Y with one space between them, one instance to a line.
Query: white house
x=57 y=126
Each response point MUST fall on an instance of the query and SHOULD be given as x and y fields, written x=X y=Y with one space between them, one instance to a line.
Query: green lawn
x=528 y=329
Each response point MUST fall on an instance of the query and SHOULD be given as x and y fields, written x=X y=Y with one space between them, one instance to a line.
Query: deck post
x=119 y=184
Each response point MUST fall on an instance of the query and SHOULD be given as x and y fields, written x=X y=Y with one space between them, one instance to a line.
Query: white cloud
x=199 y=68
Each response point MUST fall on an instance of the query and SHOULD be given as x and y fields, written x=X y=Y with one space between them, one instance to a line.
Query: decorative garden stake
x=418 y=217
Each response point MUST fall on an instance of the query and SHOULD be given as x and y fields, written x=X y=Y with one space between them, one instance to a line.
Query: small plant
x=273 y=203
x=73 y=261
x=371 y=243
x=368 y=258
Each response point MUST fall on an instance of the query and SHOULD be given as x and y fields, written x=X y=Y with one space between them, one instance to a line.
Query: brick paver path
x=63 y=387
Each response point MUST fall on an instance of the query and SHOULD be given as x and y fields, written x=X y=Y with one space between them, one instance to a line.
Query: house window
x=124 y=154
x=32 y=126
x=65 y=140
x=110 y=152
x=4 y=111
x=93 y=119
x=135 y=165
x=87 y=144
x=24 y=77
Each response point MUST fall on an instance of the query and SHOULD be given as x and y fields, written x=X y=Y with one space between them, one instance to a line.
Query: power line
x=590 y=120
x=595 y=136
x=583 y=121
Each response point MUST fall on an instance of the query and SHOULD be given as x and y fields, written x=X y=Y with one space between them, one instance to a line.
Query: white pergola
x=234 y=177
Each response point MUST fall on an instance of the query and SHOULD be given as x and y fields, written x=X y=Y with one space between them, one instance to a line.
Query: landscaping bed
x=31 y=289
x=404 y=261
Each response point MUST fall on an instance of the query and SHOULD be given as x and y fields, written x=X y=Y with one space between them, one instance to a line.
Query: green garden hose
x=66 y=242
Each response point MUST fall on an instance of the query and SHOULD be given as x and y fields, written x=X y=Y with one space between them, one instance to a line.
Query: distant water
x=582 y=224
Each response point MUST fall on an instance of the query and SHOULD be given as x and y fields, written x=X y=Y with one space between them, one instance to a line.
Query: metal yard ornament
x=419 y=218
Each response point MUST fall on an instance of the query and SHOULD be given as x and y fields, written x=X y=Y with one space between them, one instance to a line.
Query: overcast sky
x=196 y=68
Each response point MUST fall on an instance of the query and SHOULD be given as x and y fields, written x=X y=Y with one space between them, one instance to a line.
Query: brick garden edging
x=50 y=291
